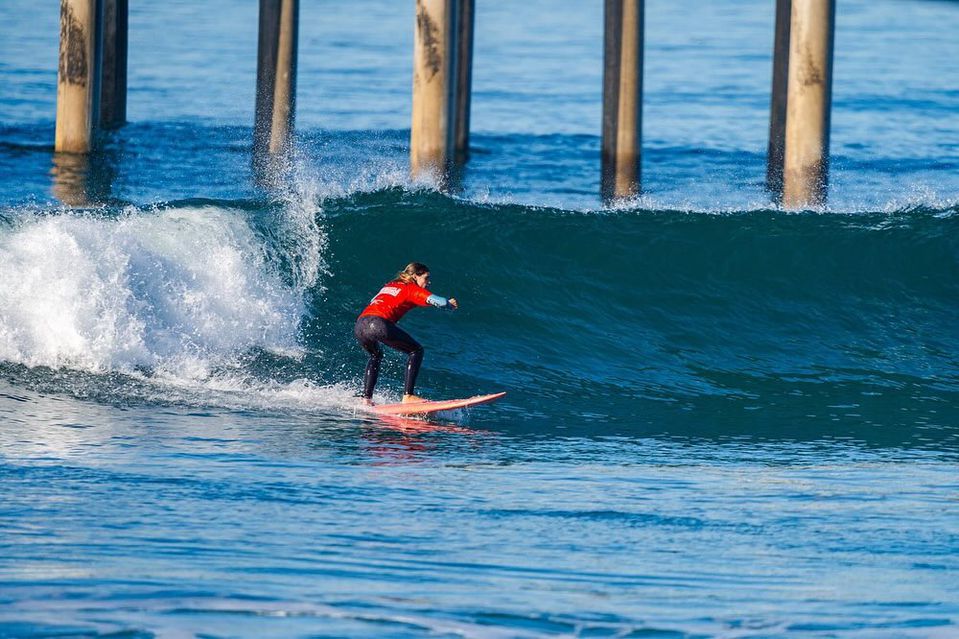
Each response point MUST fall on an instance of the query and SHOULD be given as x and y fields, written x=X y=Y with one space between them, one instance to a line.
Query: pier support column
x=622 y=99
x=77 y=76
x=275 y=79
x=113 y=74
x=777 y=102
x=430 y=131
x=809 y=101
x=463 y=78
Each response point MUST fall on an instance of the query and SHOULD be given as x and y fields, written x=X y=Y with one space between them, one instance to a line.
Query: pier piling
x=275 y=79
x=465 y=11
x=77 y=76
x=777 y=102
x=113 y=73
x=429 y=131
x=622 y=99
x=809 y=101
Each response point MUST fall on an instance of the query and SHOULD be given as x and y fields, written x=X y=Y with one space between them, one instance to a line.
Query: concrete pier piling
x=622 y=99
x=113 y=73
x=77 y=76
x=430 y=127
x=777 y=103
x=113 y=69
x=809 y=102
x=464 y=13
x=275 y=79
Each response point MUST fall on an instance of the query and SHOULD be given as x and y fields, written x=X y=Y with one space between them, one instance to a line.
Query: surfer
x=377 y=324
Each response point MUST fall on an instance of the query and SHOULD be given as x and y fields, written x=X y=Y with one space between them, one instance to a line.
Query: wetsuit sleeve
x=437 y=301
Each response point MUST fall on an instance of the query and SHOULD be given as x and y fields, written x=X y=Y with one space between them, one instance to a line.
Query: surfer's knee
x=410 y=347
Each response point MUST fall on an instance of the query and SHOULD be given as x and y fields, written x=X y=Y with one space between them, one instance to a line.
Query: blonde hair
x=412 y=270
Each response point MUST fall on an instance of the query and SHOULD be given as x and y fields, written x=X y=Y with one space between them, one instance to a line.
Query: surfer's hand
x=453 y=303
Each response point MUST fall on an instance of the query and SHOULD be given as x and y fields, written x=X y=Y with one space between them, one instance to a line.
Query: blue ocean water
x=723 y=419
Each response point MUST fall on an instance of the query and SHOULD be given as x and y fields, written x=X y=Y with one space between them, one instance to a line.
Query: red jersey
x=395 y=299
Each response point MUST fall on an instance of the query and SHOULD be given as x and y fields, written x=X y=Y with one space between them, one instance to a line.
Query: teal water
x=723 y=419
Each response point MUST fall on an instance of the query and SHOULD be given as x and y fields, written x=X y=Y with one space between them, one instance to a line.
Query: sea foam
x=173 y=291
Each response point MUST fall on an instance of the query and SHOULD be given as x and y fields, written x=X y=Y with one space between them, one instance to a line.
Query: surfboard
x=430 y=406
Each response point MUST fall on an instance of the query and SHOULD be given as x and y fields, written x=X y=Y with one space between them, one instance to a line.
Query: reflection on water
x=409 y=425
x=71 y=178
x=83 y=179
x=395 y=439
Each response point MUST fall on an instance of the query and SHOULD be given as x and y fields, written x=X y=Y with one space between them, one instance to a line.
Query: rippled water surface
x=723 y=419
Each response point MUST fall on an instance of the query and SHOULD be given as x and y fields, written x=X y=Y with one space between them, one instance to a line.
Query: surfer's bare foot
x=412 y=398
x=367 y=401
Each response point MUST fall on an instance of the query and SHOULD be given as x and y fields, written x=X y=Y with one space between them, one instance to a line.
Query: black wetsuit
x=370 y=331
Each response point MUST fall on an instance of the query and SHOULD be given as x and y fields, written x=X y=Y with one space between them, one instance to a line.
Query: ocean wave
x=584 y=315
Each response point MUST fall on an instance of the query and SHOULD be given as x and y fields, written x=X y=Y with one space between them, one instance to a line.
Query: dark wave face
x=662 y=321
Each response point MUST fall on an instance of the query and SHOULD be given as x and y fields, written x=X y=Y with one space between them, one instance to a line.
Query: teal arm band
x=437 y=301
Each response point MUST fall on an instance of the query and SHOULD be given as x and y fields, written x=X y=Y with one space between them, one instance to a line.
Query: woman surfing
x=378 y=324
